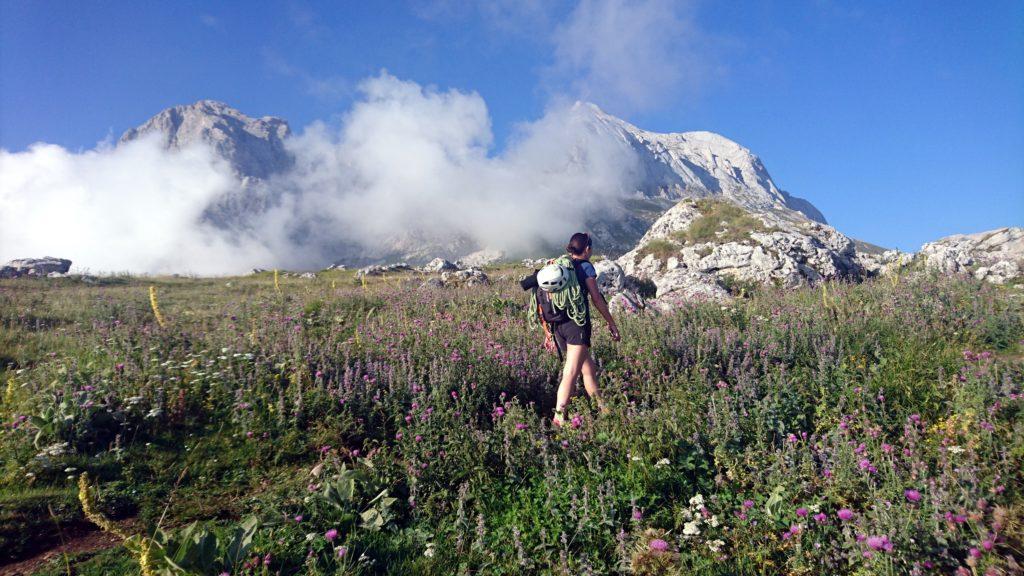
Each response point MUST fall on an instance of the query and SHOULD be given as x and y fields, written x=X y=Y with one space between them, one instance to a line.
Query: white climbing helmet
x=552 y=278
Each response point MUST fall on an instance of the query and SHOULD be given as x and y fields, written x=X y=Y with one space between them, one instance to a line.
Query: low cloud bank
x=408 y=165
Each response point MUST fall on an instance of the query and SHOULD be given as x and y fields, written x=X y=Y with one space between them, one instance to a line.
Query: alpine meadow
x=511 y=288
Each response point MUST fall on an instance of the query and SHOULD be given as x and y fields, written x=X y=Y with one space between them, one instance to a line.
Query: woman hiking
x=571 y=325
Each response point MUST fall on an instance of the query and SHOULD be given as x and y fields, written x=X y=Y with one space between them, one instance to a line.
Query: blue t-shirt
x=584 y=269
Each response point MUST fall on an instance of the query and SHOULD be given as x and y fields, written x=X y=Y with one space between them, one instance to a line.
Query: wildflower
x=662 y=462
x=820 y=517
x=715 y=545
x=330 y=535
x=748 y=503
x=690 y=528
x=988 y=545
x=974 y=552
x=577 y=421
x=498 y=412
x=955 y=450
x=880 y=543
x=801 y=512
x=912 y=495
x=520 y=426
x=298 y=518
x=658 y=545
x=342 y=551
x=845 y=514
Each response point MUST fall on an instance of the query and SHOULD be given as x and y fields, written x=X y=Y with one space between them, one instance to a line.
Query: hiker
x=566 y=311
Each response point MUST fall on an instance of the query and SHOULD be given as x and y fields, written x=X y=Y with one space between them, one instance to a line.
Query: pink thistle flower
x=748 y=503
x=912 y=495
x=845 y=514
x=801 y=512
x=880 y=543
x=658 y=545
x=330 y=535
x=820 y=517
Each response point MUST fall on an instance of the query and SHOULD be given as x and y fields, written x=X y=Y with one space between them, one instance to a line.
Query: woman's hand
x=549 y=344
x=615 y=332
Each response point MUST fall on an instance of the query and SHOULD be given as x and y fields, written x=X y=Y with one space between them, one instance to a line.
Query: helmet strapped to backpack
x=553 y=277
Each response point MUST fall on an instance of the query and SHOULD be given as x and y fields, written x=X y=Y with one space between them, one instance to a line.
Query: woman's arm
x=602 y=307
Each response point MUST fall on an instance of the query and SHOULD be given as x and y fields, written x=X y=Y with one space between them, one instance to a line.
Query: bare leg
x=590 y=379
x=573 y=362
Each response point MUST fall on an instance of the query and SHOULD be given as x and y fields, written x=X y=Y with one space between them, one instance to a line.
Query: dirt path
x=91 y=541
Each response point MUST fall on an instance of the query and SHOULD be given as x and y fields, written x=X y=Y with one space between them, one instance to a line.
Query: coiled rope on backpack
x=570 y=298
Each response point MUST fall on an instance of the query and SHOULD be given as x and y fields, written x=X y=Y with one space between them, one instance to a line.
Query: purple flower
x=330 y=535
x=637 y=514
x=520 y=426
x=912 y=495
x=577 y=421
x=974 y=552
x=342 y=550
x=298 y=518
x=658 y=545
x=845 y=514
x=880 y=543
x=748 y=503
x=820 y=517
x=801 y=512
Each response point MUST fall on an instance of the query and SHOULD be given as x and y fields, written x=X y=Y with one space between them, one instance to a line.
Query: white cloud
x=134 y=207
x=407 y=163
x=629 y=55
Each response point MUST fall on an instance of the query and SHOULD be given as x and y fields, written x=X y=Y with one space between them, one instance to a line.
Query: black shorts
x=571 y=333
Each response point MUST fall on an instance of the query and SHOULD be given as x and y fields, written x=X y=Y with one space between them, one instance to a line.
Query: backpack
x=564 y=305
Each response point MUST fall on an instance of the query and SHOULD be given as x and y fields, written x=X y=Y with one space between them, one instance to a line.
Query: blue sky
x=902 y=122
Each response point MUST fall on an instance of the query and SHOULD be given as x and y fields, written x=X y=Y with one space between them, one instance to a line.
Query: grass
x=258 y=402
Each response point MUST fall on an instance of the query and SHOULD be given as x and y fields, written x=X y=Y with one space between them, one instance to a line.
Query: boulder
x=379 y=269
x=610 y=277
x=467 y=277
x=38 y=267
x=439 y=265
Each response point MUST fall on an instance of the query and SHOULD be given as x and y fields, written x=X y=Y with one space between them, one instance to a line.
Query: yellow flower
x=156 y=307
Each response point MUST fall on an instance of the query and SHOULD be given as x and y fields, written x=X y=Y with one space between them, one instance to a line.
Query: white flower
x=713 y=521
x=697 y=501
x=690 y=528
x=429 y=552
x=956 y=450
x=662 y=462
x=715 y=545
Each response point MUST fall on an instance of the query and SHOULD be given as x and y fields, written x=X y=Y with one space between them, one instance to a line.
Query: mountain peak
x=253 y=146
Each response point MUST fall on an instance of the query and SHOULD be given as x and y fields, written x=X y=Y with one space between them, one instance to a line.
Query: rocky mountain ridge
x=669 y=167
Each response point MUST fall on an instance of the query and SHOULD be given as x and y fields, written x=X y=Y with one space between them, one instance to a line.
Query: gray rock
x=996 y=255
x=439 y=265
x=610 y=277
x=625 y=301
x=378 y=269
x=39 y=267
x=784 y=252
x=467 y=277
x=308 y=275
x=432 y=283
